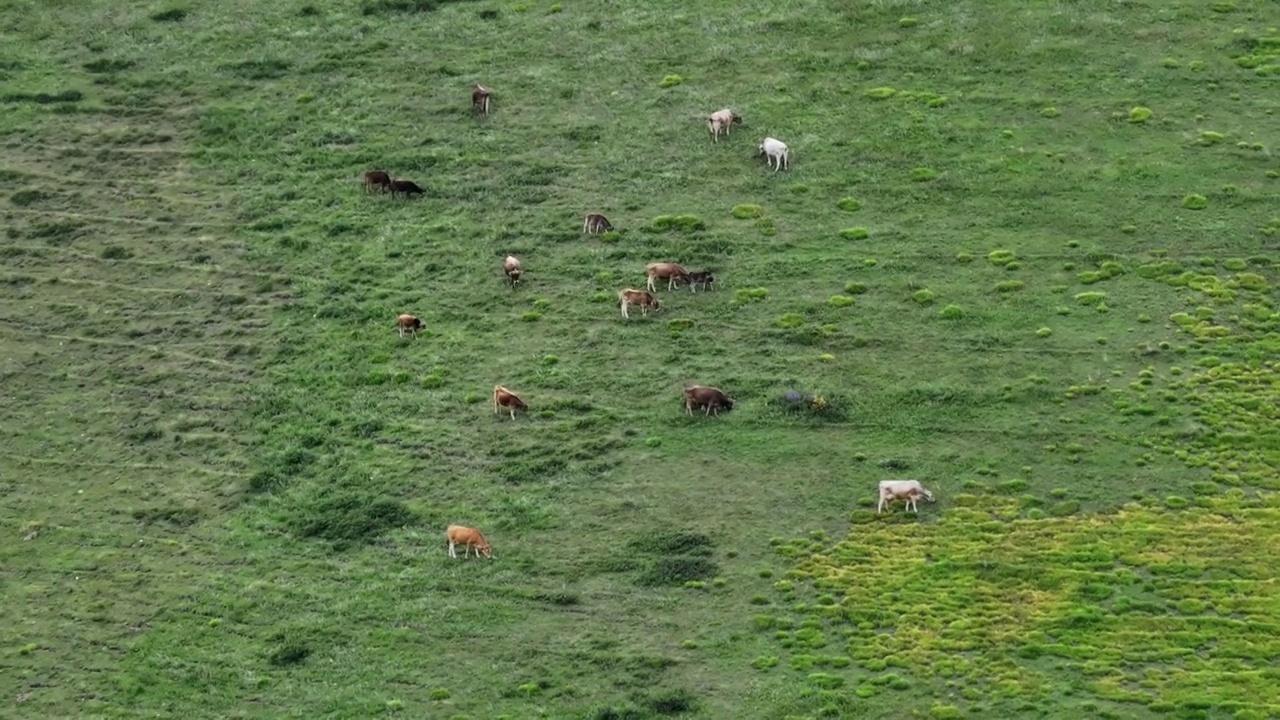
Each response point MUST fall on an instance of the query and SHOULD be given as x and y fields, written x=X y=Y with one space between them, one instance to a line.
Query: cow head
x=927 y=495
x=737 y=119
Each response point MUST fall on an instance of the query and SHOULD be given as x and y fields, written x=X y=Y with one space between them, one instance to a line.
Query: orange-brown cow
x=377 y=178
x=480 y=97
x=671 y=272
x=513 y=269
x=503 y=397
x=409 y=323
x=468 y=538
x=596 y=223
x=708 y=398
x=642 y=298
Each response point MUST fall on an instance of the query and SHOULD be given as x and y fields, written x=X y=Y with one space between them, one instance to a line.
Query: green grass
x=226 y=477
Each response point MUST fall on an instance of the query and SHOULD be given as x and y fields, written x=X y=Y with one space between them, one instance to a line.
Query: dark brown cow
x=641 y=298
x=671 y=272
x=512 y=268
x=710 y=399
x=405 y=187
x=503 y=397
x=703 y=278
x=480 y=98
x=377 y=178
x=409 y=323
x=596 y=223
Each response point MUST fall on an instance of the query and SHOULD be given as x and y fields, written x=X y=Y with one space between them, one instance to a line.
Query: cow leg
x=880 y=505
x=513 y=412
x=452 y=554
x=624 y=308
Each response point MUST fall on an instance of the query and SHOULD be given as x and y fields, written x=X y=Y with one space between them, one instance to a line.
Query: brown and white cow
x=710 y=399
x=480 y=98
x=377 y=178
x=671 y=272
x=641 y=298
x=407 y=322
x=720 y=121
x=512 y=268
x=469 y=538
x=503 y=397
x=909 y=490
x=596 y=223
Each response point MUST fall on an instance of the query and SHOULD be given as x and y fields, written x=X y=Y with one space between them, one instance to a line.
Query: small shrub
x=289 y=654
x=924 y=296
x=531 y=316
x=1001 y=257
x=881 y=93
x=1010 y=286
x=1195 y=202
x=855 y=288
x=1140 y=114
x=790 y=321
x=908 y=22
x=671 y=702
x=1044 y=332
x=964 y=258
x=1208 y=137
x=923 y=174
x=869 y=262
x=849 y=204
x=746 y=212
x=440 y=694
x=840 y=301
x=115 y=252
x=678 y=223
x=610 y=237
x=1091 y=298
x=170 y=15
x=749 y=295
x=670 y=81
x=854 y=233
x=1050 y=112
x=1176 y=502
x=951 y=312
x=826 y=357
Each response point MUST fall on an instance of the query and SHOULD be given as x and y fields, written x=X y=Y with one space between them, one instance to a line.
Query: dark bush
x=105 y=65
x=384 y=7
x=677 y=570
x=350 y=517
x=680 y=543
x=289 y=654
x=170 y=15
x=66 y=96
x=671 y=702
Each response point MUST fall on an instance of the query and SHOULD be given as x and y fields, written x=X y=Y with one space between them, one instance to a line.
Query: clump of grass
x=1140 y=114
x=549 y=360
x=1050 y=112
x=440 y=694
x=881 y=93
x=743 y=296
x=849 y=204
x=964 y=258
x=1091 y=298
x=530 y=316
x=923 y=174
x=840 y=301
x=670 y=81
x=745 y=212
x=951 y=312
x=678 y=223
x=923 y=296
x=826 y=358
x=346 y=516
x=1208 y=137
x=766 y=226
x=908 y=22
x=1195 y=202
x=1001 y=257
x=1044 y=332
x=1010 y=286
x=170 y=15
x=610 y=236
x=869 y=262
x=116 y=252
x=289 y=654
x=789 y=321
x=854 y=233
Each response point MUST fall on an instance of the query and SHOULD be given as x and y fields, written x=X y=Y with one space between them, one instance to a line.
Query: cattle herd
x=696 y=397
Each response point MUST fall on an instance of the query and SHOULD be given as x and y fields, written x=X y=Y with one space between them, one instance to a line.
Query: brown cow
x=507 y=399
x=480 y=97
x=703 y=278
x=641 y=298
x=377 y=178
x=512 y=268
x=405 y=187
x=720 y=121
x=596 y=223
x=468 y=538
x=671 y=272
x=708 y=398
x=410 y=323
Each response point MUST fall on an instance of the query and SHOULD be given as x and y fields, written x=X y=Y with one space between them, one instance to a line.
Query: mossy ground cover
x=226 y=477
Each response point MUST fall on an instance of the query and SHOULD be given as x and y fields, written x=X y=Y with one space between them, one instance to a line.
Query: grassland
x=1026 y=253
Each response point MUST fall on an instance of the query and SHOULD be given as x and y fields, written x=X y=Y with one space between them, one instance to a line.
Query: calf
x=405 y=187
x=596 y=223
x=910 y=490
x=480 y=97
x=671 y=272
x=708 y=398
x=641 y=298
x=776 y=153
x=703 y=278
x=720 y=121
x=468 y=538
x=512 y=268
x=410 y=323
x=507 y=399
x=377 y=178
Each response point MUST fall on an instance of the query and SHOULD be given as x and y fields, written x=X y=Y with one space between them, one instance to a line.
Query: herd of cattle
x=696 y=397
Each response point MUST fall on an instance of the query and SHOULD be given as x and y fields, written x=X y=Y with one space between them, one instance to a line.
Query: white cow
x=910 y=490
x=776 y=153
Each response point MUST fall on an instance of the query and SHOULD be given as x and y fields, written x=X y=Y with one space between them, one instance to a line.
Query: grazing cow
x=377 y=178
x=405 y=187
x=708 y=398
x=703 y=278
x=507 y=399
x=596 y=223
x=468 y=538
x=776 y=153
x=480 y=97
x=641 y=298
x=909 y=490
x=720 y=121
x=410 y=323
x=671 y=272
x=511 y=266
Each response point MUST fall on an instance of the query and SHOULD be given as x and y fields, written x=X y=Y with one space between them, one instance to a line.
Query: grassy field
x=1026 y=253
